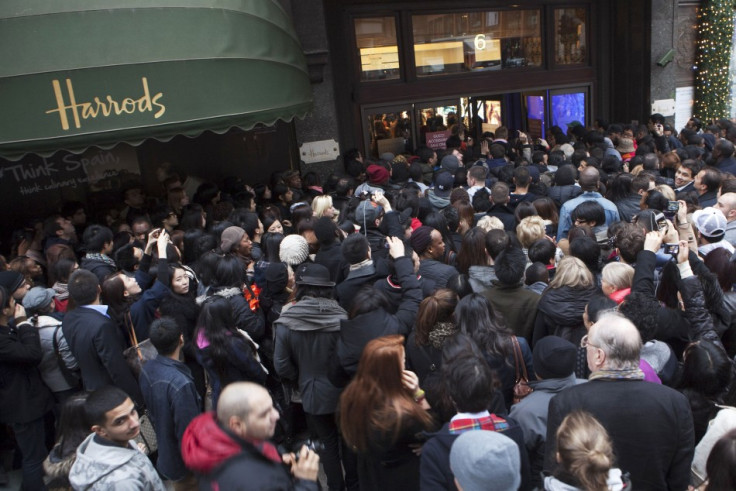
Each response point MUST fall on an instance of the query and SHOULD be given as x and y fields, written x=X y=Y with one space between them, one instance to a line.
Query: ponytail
x=585 y=450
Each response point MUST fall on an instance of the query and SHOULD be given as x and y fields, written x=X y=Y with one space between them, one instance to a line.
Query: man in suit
x=651 y=425
x=95 y=339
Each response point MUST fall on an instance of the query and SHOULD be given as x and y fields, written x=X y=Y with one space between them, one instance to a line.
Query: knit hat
x=38 y=298
x=377 y=174
x=625 y=145
x=421 y=238
x=294 y=250
x=480 y=457
x=443 y=184
x=554 y=357
x=11 y=280
x=450 y=163
x=367 y=212
x=314 y=275
x=710 y=222
x=229 y=237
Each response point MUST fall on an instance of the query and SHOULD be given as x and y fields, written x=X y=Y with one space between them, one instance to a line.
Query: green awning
x=78 y=73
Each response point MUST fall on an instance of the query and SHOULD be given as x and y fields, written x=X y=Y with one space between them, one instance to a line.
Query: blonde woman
x=322 y=207
x=616 y=281
x=560 y=309
x=530 y=230
x=585 y=455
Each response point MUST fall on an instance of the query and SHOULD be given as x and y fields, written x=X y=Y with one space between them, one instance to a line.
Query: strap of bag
x=518 y=355
x=131 y=334
x=69 y=376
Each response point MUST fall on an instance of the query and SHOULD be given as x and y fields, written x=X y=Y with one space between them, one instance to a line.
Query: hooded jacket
x=615 y=482
x=438 y=203
x=101 y=466
x=560 y=313
x=229 y=464
x=531 y=415
x=306 y=335
x=481 y=278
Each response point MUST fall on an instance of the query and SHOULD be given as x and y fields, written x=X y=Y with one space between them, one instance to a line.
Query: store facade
x=401 y=68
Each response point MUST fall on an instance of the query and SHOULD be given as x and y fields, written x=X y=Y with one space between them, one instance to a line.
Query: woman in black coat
x=560 y=310
x=371 y=316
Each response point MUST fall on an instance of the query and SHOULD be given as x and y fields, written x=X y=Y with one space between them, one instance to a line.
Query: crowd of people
x=506 y=313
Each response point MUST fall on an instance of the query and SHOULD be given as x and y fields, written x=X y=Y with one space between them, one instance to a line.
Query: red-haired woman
x=382 y=412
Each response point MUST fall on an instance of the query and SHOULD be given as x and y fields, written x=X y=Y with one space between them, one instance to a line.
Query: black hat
x=443 y=183
x=314 y=275
x=11 y=280
x=554 y=357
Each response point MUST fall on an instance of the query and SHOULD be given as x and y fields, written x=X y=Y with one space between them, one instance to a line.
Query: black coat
x=251 y=322
x=306 y=335
x=560 y=313
x=441 y=274
x=23 y=394
x=97 y=344
x=357 y=332
x=101 y=269
x=650 y=425
x=505 y=214
x=330 y=256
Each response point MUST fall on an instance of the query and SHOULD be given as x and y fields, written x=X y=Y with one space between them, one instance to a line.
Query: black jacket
x=97 y=344
x=650 y=425
x=101 y=269
x=306 y=335
x=435 y=472
x=560 y=313
x=628 y=207
x=357 y=332
x=23 y=394
x=505 y=214
x=330 y=256
x=355 y=280
x=441 y=274
x=251 y=322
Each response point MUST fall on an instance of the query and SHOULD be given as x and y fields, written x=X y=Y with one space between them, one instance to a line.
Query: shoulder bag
x=521 y=382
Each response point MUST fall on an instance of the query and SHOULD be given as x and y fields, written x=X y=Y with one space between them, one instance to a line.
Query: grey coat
x=531 y=414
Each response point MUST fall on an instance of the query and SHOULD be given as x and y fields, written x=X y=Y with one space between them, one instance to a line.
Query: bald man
x=231 y=450
x=589 y=182
x=727 y=204
x=650 y=425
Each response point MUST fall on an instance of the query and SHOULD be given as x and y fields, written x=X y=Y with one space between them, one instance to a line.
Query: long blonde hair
x=584 y=450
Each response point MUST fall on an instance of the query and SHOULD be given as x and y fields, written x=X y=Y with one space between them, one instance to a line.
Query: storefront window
x=436 y=124
x=476 y=41
x=570 y=36
x=379 y=53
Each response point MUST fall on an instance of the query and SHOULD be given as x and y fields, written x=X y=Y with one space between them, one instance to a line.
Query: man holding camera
x=230 y=449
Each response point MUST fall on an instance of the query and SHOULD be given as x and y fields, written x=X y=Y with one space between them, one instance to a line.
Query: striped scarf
x=625 y=374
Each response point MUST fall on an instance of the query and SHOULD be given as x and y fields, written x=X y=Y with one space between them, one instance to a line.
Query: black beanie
x=421 y=238
x=554 y=357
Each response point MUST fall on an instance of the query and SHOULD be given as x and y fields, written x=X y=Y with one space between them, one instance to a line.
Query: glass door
x=535 y=113
x=388 y=129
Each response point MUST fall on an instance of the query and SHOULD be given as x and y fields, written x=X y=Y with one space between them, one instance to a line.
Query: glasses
x=584 y=343
x=580 y=221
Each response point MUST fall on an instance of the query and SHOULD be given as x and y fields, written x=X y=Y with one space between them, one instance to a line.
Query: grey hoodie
x=104 y=467
x=481 y=278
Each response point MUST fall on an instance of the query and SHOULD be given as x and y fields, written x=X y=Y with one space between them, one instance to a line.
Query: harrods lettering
x=105 y=107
